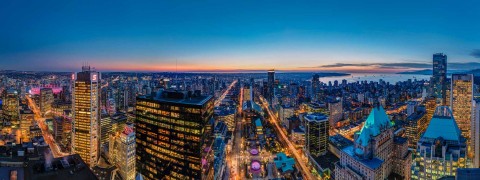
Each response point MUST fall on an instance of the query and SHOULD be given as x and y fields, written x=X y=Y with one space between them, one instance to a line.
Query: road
x=46 y=135
x=233 y=157
x=220 y=99
x=284 y=139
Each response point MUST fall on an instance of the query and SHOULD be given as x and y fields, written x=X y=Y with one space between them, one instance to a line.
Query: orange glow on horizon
x=217 y=68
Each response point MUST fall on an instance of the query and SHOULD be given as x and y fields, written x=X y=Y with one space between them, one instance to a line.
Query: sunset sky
x=355 y=36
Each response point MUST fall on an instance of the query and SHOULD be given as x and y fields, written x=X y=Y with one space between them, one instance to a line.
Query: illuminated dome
x=254 y=152
x=255 y=166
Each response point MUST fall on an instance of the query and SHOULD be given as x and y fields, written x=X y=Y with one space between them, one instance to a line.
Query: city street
x=46 y=135
x=220 y=99
x=286 y=142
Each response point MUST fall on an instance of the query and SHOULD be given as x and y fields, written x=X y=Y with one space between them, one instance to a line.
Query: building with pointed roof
x=376 y=152
x=442 y=148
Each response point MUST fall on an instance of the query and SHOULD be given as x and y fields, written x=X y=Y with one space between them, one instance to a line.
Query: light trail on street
x=43 y=127
x=303 y=168
x=220 y=99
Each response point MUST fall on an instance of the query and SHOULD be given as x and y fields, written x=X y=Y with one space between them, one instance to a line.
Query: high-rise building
x=476 y=133
x=10 y=103
x=315 y=87
x=86 y=115
x=430 y=106
x=462 y=105
x=411 y=107
x=442 y=148
x=26 y=120
x=336 y=111
x=439 y=78
x=416 y=124
x=46 y=100
x=171 y=138
x=105 y=128
x=376 y=153
x=271 y=85
x=317 y=134
x=124 y=152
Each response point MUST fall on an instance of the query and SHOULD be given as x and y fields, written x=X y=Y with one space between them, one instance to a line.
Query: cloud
x=454 y=65
x=475 y=53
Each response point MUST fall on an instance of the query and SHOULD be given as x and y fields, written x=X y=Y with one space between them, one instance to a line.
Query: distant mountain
x=420 y=72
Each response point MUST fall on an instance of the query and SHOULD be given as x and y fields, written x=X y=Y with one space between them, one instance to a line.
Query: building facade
x=46 y=100
x=376 y=153
x=415 y=127
x=462 y=106
x=171 y=135
x=125 y=153
x=336 y=112
x=86 y=115
x=10 y=103
x=270 y=86
x=316 y=134
x=442 y=148
x=439 y=78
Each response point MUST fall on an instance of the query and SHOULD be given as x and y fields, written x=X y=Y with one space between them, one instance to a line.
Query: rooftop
x=316 y=117
x=376 y=122
x=180 y=97
x=258 y=122
x=284 y=163
x=443 y=125
x=340 y=142
x=373 y=163
x=327 y=161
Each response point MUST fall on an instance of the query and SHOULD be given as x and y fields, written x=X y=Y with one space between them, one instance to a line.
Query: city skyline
x=247 y=90
x=237 y=36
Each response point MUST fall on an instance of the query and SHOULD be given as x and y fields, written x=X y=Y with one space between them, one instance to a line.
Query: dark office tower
x=439 y=78
x=315 y=87
x=46 y=100
x=265 y=89
x=171 y=138
x=316 y=134
x=270 y=84
x=86 y=115
x=104 y=97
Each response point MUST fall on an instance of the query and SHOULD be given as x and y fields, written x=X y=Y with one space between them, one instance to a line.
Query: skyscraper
x=171 y=135
x=476 y=133
x=315 y=87
x=462 y=105
x=271 y=85
x=439 y=78
x=316 y=136
x=86 y=115
x=10 y=106
x=46 y=100
x=336 y=111
x=124 y=147
x=416 y=124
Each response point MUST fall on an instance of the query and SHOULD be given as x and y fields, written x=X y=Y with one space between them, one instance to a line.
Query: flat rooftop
x=72 y=168
x=316 y=117
x=179 y=97
x=327 y=161
x=373 y=163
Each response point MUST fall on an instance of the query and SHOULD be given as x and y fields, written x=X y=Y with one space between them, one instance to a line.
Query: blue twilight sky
x=238 y=35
